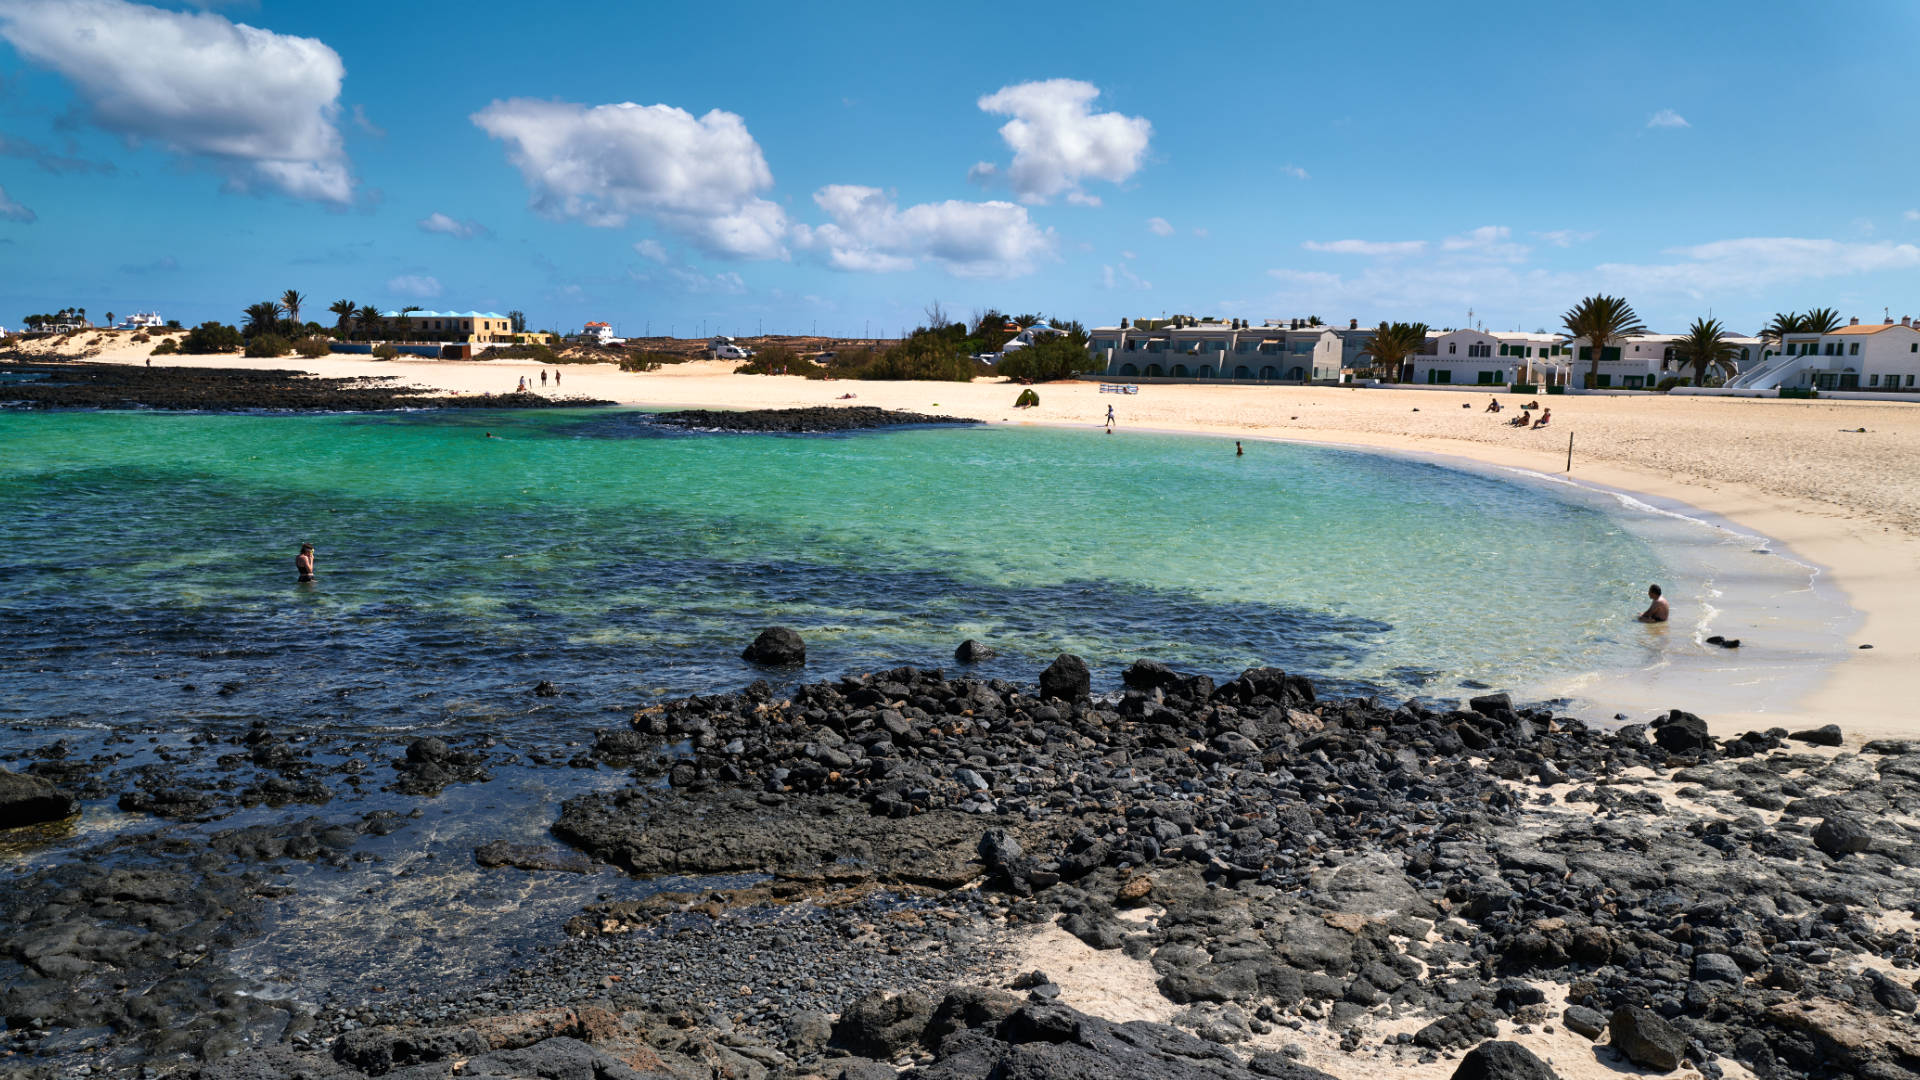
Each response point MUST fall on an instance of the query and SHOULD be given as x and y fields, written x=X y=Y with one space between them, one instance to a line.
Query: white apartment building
x=1859 y=356
x=1233 y=351
x=142 y=320
x=1490 y=358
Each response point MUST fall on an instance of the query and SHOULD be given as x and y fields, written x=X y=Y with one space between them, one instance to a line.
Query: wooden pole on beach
x=1569 y=451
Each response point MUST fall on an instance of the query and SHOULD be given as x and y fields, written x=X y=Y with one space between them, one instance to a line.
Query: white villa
x=600 y=333
x=1275 y=351
x=142 y=320
x=1491 y=358
x=1871 y=356
x=1027 y=337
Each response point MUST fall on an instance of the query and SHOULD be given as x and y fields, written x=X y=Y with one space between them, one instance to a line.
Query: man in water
x=1238 y=450
x=1657 y=610
x=303 y=562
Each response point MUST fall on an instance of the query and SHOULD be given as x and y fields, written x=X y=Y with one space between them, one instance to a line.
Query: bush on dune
x=262 y=346
x=210 y=338
x=780 y=360
x=1050 y=358
x=313 y=348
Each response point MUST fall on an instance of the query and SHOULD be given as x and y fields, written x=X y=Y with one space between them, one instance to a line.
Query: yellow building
x=473 y=327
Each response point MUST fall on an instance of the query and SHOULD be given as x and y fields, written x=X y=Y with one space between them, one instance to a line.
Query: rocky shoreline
x=812 y=420
x=55 y=385
x=858 y=870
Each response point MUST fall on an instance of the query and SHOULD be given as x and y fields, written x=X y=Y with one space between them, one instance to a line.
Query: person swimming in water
x=1238 y=450
x=1657 y=610
x=303 y=562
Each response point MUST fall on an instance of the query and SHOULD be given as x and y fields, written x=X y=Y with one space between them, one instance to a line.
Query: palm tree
x=109 y=318
x=1705 y=344
x=291 y=300
x=1820 y=320
x=262 y=318
x=1391 y=344
x=1601 y=320
x=366 y=319
x=1784 y=323
x=342 y=311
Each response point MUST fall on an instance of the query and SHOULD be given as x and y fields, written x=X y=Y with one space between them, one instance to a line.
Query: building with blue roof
x=472 y=327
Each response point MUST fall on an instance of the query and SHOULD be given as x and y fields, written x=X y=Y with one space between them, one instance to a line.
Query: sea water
x=464 y=557
x=147 y=596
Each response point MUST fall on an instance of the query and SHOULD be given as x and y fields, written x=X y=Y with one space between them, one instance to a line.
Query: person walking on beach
x=543 y=376
x=556 y=378
x=303 y=562
x=1657 y=610
x=1109 y=418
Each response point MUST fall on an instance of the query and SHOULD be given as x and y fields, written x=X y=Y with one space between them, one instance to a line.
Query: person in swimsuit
x=303 y=562
x=1657 y=610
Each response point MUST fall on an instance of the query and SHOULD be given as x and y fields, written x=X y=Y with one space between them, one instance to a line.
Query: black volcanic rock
x=30 y=800
x=777 y=646
x=133 y=386
x=1067 y=678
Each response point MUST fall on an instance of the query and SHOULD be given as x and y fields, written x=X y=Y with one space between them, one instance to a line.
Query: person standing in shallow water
x=1657 y=610
x=303 y=562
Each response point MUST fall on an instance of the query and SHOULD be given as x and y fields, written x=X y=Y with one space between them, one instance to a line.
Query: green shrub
x=1799 y=392
x=384 y=351
x=780 y=360
x=210 y=338
x=1556 y=389
x=1670 y=382
x=268 y=345
x=1050 y=358
x=140 y=338
x=313 y=347
x=1525 y=388
x=165 y=348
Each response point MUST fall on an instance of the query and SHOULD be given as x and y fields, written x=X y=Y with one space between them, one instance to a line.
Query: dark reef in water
x=809 y=421
x=54 y=385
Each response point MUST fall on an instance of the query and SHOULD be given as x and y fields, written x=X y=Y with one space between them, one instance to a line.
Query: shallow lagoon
x=142 y=552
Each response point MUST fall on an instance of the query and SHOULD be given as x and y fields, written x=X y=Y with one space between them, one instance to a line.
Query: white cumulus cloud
x=13 y=211
x=1295 y=171
x=869 y=232
x=416 y=286
x=438 y=222
x=699 y=177
x=1566 y=237
x=1667 y=118
x=1159 y=226
x=1366 y=247
x=1755 y=262
x=1912 y=215
x=652 y=250
x=259 y=105
x=1058 y=141
x=1490 y=241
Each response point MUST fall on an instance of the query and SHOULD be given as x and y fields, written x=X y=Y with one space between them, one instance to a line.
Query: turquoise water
x=140 y=552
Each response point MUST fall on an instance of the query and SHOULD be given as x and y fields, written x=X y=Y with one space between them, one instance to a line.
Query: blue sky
x=789 y=167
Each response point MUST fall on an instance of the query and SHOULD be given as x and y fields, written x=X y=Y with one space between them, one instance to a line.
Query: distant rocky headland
x=55 y=385
x=805 y=421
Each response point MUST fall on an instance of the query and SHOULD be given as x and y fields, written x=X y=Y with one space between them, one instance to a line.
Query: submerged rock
x=777 y=646
x=30 y=800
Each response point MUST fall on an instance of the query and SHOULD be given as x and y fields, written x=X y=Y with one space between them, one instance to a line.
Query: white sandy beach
x=1798 y=472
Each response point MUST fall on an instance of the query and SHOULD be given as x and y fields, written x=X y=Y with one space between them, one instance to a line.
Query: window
x=1489 y=378
x=1503 y=350
x=1452 y=348
x=1909 y=380
x=1481 y=350
x=1853 y=349
x=1873 y=380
